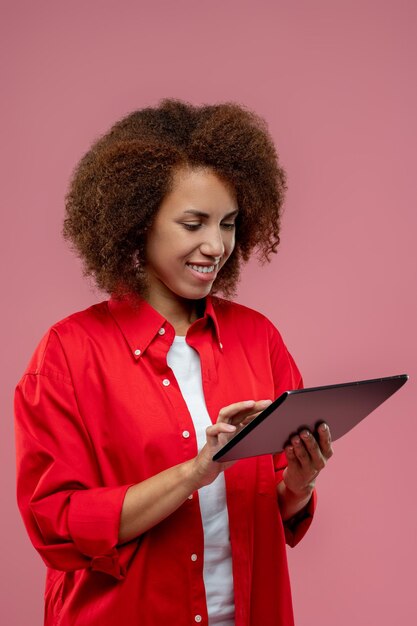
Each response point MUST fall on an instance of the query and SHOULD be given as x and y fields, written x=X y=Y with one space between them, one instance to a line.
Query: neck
x=179 y=312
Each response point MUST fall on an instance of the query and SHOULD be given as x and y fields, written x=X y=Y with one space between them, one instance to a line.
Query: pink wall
x=336 y=82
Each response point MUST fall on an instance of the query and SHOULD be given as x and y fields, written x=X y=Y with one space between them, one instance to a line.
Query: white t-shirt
x=218 y=578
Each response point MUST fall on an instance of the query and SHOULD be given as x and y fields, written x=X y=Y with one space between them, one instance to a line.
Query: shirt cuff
x=296 y=527
x=93 y=524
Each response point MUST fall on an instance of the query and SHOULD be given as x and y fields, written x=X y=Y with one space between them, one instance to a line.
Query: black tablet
x=340 y=406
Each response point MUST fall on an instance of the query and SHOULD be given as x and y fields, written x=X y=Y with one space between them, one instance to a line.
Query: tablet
x=340 y=406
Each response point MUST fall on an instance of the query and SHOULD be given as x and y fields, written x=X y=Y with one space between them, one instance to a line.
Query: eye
x=228 y=226
x=189 y=226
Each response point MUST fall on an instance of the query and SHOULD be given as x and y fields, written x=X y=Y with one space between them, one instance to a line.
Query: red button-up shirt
x=98 y=410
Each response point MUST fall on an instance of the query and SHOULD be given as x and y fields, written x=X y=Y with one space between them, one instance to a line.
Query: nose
x=213 y=244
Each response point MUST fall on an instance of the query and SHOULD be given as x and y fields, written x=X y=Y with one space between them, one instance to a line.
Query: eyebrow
x=202 y=214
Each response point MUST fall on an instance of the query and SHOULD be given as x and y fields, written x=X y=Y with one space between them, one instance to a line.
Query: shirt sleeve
x=71 y=517
x=287 y=376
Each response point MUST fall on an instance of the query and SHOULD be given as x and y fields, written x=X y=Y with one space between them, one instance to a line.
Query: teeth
x=201 y=269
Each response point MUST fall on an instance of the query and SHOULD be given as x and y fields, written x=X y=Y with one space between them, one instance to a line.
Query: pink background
x=336 y=82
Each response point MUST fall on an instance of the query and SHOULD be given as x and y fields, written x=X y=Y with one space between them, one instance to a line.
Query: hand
x=306 y=457
x=230 y=419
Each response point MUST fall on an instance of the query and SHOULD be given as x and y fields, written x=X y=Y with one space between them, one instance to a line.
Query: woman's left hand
x=306 y=456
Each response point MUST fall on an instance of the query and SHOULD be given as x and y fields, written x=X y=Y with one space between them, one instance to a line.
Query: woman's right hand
x=230 y=419
x=149 y=502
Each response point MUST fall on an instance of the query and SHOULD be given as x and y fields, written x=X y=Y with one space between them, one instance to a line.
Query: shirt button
x=221 y=346
x=185 y=434
x=198 y=618
x=137 y=352
x=193 y=557
x=166 y=382
x=190 y=497
x=161 y=331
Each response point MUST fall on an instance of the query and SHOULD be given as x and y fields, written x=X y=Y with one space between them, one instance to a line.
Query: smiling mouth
x=203 y=269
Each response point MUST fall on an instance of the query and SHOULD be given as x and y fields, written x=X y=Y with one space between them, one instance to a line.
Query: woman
x=124 y=404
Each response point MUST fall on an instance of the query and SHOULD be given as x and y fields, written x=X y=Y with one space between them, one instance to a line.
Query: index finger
x=238 y=410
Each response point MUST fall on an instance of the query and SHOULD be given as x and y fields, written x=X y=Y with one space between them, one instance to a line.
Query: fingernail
x=230 y=427
x=323 y=427
x=265 y=402
x=305 y=434
x=296 y=441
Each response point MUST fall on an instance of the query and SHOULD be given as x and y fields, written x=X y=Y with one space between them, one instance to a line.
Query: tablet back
x=340 y=406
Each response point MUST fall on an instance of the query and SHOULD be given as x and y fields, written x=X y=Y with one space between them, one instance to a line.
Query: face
x=192 y=236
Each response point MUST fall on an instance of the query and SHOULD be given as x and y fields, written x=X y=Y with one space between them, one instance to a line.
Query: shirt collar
x=139 y=322
x=210 y=313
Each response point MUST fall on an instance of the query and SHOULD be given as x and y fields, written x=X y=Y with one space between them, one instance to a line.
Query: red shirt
x=98 y=410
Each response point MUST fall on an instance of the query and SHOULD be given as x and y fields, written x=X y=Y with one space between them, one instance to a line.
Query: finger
x=325 y=440
x=213 y=431
x=291 y=458
x=245 y=420
x=300 y=451
x=318 y=461
x=239 y=410
x=296 y=477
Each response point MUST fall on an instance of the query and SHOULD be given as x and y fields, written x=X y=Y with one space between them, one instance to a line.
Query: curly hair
x=119 y=184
